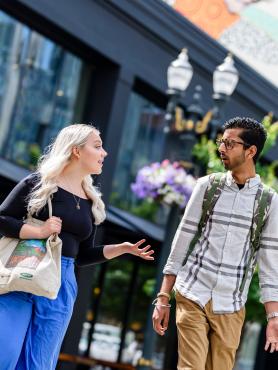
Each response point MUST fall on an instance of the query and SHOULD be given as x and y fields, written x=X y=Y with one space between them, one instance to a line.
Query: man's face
x=234 y=153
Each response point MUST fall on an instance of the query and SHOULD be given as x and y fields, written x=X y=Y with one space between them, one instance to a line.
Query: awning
x=134 y=223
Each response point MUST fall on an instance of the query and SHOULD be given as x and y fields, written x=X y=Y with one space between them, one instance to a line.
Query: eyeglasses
x=230 y=144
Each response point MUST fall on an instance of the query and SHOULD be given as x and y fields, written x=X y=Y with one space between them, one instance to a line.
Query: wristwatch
x=270 y=315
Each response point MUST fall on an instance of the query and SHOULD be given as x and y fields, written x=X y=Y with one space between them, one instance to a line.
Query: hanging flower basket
x=164 y=182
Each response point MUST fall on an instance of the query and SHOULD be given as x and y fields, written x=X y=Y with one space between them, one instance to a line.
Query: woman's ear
x=76 y=152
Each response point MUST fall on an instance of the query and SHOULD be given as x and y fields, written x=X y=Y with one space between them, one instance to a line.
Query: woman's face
x=92 y=154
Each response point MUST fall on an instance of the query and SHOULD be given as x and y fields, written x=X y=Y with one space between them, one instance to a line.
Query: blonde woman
x=32 y=327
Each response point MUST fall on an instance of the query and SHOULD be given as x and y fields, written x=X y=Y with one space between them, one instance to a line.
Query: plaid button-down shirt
x=216 y=266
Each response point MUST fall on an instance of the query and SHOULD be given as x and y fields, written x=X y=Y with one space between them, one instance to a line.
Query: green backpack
x=212 y=193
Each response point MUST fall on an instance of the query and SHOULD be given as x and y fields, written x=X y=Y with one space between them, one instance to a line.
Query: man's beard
x=230 y=166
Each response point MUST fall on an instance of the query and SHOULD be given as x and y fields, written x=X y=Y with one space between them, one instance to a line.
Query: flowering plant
x=164 y=182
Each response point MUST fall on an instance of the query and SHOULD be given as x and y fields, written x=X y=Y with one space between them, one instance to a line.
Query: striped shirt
x=216 y=266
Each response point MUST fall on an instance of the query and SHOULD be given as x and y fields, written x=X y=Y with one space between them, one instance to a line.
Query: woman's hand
x=145 y=252
x=115 y=250
x=51 y=226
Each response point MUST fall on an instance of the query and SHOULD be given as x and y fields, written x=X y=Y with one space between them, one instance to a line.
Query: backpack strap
x=263 y=199
x=212 y=193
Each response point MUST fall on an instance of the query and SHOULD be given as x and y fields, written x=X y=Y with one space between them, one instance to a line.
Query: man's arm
x=161 y=312
x=187 y=228
x=272 y=327
x=184 y=234
x=268 y=274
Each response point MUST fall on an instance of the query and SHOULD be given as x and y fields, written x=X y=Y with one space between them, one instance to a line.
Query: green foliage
x=117 y=201
x=34 y=154
x=149 y=286
x=116 y=289
x=145 y=208
x=27 y=155
x=272 y=132
x=267 y=173
x=206 y=153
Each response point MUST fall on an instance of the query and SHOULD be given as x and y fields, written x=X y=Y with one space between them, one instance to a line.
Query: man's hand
x=272 y=335
x=161 y=316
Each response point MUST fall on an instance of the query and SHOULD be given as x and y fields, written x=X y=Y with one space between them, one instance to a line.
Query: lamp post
x=225 y=80
x=188 y=137
x=179 y=75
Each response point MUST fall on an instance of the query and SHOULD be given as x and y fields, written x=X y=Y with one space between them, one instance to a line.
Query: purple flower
x=166 y=182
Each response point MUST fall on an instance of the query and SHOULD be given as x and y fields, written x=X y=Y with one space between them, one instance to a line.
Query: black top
x=78 y=229
x=240 y=186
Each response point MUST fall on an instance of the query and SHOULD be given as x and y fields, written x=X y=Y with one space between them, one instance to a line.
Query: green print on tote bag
x=28 y=253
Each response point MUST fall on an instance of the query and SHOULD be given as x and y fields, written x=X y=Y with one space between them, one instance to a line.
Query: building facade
x=105 y=62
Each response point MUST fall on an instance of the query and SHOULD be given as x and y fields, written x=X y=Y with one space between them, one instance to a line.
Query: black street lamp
x=225 y=80
x=179 y=75
x=188 y=137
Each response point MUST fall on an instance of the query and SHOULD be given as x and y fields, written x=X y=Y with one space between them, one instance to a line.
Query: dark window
x=142 y=143
x=39 y=91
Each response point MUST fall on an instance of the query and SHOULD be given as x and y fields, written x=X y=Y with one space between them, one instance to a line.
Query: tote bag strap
x=49 y=207
x=50 y=213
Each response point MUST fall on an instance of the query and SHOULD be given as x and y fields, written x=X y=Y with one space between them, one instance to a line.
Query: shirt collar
x=253 y=181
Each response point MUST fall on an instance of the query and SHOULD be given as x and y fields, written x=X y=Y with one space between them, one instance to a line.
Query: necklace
x=77 y=201
x=75 y=197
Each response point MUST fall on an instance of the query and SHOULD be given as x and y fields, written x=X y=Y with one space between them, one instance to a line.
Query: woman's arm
x=51 y=226
x=14 y=208
x=114 y=250
x=89 y=254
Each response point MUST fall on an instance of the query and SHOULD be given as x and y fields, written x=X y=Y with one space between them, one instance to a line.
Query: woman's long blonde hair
x=53 y=162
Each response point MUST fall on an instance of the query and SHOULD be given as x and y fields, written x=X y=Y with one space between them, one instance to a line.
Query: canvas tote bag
x=31 y=265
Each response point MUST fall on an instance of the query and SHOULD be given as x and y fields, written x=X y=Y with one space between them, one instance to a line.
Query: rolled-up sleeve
x=268 y=255
x=187 y=228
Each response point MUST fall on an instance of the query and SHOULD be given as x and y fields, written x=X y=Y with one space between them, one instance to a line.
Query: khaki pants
x=207 y=341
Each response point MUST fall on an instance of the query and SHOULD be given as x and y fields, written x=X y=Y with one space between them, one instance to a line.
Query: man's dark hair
x=253 y=132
